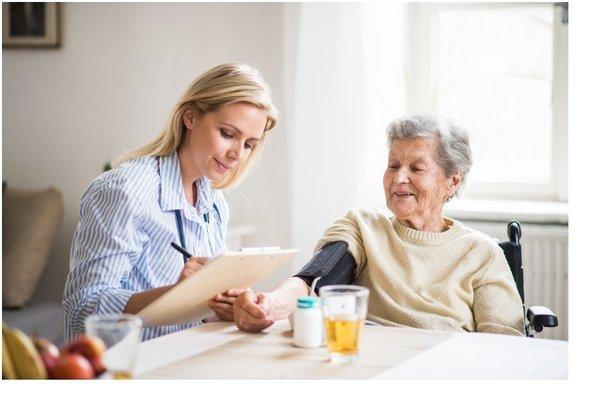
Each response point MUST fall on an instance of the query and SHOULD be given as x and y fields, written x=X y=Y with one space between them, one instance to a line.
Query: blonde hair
x=222 y=85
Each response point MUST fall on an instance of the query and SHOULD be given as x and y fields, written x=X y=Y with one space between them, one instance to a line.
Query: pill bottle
x=308 y=323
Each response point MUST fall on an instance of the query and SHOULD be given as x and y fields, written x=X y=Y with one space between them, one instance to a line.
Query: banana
x=8 y=371
x=26 y=360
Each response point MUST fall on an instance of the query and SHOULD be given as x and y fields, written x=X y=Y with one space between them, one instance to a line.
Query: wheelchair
x=536 y=317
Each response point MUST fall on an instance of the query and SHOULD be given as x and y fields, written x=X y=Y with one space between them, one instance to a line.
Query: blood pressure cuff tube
x=332 y=263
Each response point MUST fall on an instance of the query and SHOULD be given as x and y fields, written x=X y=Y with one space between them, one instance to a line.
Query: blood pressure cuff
x=332 y=263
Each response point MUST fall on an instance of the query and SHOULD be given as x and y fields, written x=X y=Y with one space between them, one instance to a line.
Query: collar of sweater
x=407 y=233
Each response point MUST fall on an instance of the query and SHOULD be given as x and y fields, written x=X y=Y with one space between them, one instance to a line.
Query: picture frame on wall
x=30 y=25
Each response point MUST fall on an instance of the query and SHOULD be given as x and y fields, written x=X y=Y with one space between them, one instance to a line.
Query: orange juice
x=122 y=375
x=342 y=334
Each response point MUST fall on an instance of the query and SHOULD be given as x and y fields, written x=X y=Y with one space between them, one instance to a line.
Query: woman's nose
x=401 y=176
x=235 y=152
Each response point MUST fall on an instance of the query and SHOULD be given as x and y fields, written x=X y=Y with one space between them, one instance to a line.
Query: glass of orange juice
x=121 y=334
x=344 y=311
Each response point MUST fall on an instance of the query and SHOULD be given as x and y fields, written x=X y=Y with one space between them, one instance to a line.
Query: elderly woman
x=423 y=270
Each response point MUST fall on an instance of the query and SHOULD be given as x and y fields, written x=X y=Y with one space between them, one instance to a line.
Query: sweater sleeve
x=346 y=229
x=497 y=307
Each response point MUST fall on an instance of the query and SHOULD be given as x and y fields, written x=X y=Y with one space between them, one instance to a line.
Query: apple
x=91 y=348
x=97 y=365
x=86 y=345
x=49 y=361
x=45 y=346
x=48 y=352
x=72 y=366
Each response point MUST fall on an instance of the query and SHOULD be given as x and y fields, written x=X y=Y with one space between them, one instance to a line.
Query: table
x=220 y=350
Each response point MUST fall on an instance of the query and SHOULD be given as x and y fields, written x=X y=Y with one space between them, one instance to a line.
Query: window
x=501 y=70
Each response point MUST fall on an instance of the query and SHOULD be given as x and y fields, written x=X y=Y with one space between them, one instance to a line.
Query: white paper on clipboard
x=188 y=301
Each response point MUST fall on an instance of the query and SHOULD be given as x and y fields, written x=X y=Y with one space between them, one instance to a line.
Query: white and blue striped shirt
x=122 y=243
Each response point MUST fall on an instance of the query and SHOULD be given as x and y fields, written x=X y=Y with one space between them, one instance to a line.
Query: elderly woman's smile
x=415 y=185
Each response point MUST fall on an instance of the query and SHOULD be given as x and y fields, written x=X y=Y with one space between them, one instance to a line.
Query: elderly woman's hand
x=253 y=312
x=222 y=304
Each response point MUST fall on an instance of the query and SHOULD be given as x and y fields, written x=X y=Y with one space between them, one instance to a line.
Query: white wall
x=109 y=89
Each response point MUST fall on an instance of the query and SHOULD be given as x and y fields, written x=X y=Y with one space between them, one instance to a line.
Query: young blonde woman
x=167 y=191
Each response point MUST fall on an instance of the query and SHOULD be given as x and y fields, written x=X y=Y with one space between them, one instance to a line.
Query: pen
x=181 y=250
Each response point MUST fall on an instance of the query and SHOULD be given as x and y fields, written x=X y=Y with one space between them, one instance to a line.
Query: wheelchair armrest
x=541 y=317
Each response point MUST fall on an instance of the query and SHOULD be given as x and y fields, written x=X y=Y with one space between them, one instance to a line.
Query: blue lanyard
x=180 y=227
x=181 y=233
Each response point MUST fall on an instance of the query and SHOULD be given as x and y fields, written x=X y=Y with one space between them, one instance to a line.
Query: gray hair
x=454 y=150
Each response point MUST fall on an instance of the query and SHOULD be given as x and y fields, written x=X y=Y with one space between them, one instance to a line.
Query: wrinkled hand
x=222 y=304
x=253 y=312
x=192 y=265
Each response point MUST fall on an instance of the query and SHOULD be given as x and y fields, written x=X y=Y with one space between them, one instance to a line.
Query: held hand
x=253 y=312
x=192 y=265
x=222 y=304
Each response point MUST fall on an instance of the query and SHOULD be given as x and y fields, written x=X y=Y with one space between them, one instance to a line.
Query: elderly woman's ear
x=453 y=184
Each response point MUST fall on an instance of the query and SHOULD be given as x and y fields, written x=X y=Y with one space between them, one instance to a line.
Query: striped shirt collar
x=172 y=196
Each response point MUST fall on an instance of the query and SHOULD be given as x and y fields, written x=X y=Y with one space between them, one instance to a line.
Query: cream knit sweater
x=454 y=280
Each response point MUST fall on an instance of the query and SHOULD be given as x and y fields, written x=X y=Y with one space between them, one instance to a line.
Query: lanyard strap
x=181 y=233
x=180 y=227
x=207 y=215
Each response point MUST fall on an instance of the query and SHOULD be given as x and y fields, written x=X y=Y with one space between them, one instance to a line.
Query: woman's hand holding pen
x=253 y=312
x=138 y=301
x=192 y=265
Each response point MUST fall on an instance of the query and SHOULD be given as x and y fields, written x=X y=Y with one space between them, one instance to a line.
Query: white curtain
x=344 y=84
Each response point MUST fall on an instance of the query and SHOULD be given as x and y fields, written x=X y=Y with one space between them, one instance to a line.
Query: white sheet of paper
x=188 y=301
x=486 y=356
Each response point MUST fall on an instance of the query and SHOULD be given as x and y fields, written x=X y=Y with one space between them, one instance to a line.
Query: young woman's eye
x=248 y=146
x=225 y=134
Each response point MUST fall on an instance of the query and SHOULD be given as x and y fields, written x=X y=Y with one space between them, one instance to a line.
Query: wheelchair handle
x=514 y=231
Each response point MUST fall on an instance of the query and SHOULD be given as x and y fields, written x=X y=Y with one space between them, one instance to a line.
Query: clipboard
x=188 y=300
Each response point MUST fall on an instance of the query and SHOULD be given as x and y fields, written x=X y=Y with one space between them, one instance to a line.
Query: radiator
x=545 y=265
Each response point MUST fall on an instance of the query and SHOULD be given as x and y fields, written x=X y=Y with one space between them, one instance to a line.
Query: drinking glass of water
x=121 y=334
